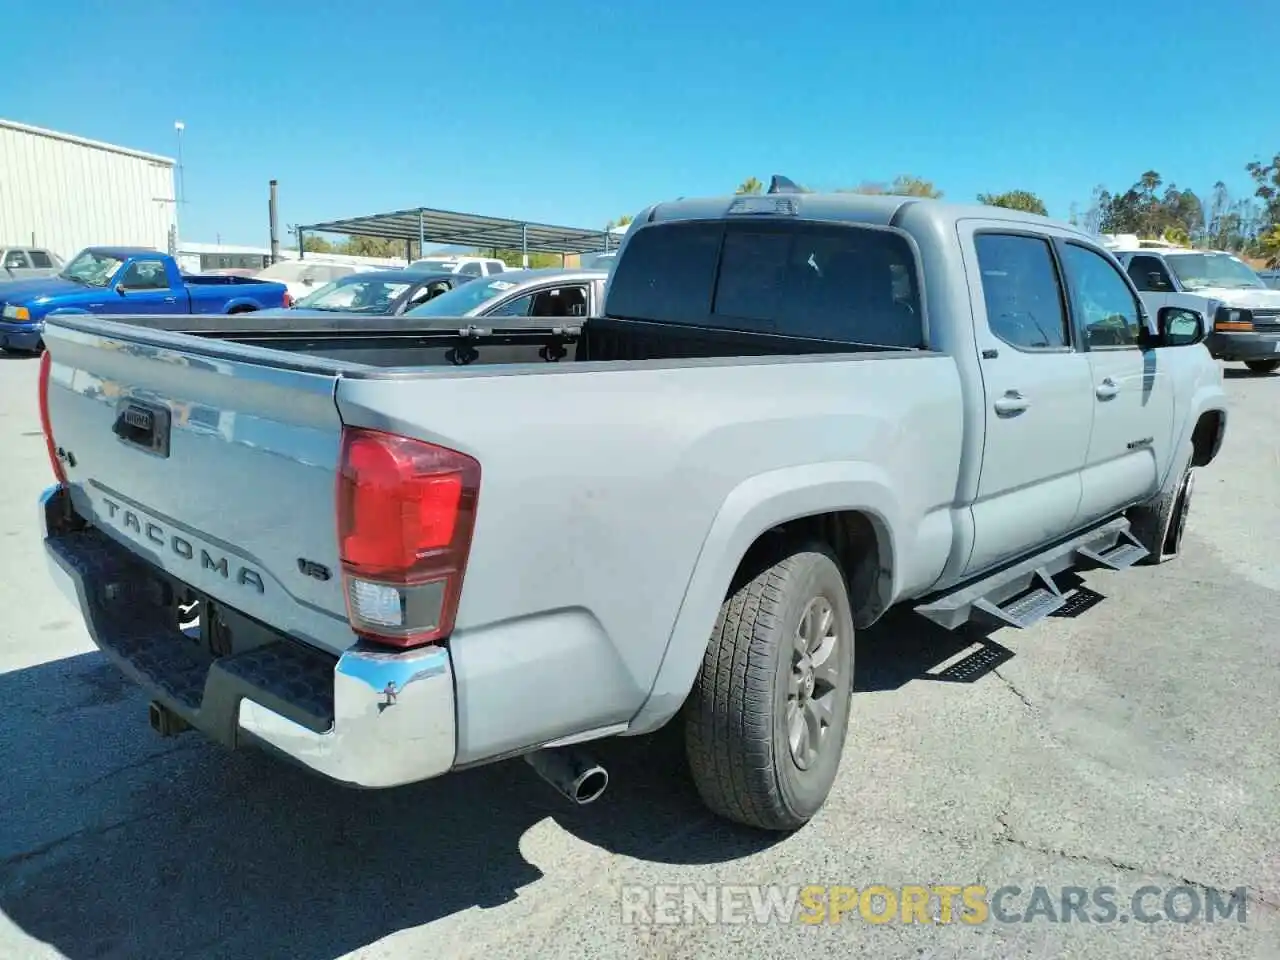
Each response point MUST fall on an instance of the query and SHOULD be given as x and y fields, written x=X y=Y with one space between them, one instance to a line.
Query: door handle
x=1107 y=389
x=1011 y=403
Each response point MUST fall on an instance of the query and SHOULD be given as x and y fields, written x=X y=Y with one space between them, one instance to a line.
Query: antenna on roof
x=781 y=184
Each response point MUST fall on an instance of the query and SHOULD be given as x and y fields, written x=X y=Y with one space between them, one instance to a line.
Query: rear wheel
x=766 y=720
x=1263 y=366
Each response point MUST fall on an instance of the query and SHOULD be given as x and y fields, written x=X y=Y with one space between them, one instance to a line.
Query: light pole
x=179 y=126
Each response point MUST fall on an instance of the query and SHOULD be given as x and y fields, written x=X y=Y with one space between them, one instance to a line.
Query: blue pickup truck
x=129 y=280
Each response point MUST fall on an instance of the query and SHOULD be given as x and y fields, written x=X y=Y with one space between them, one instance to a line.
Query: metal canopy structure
x=427 y=225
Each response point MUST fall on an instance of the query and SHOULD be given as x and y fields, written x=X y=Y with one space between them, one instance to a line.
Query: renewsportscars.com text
x=971 y=904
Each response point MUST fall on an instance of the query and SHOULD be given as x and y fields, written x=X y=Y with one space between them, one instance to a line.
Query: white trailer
x=64 y=192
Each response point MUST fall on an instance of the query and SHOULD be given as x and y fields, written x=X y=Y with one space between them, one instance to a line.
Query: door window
x=15 y=260
x=1020 y=287
x=472 y=270
x=1149 y=275
x=519 y=307
x=145 y=275
x=1105 y=305
x=40 y=260
x=560 y=302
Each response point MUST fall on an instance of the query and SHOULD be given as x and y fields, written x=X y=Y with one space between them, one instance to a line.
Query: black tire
x=753 y=683
x=1160 y=523
x=1263 y=366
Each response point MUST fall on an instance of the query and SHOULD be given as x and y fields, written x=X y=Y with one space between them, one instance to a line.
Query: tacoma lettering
x=183 y=548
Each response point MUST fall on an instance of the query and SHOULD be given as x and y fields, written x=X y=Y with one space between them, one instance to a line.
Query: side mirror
x=1179 y=327
x=121 y=291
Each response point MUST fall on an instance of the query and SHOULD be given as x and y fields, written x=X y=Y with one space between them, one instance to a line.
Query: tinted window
x=40 y=259
x=799 y=279
x=667 y=273
x=472 y=269
x=145 y=275
x=1149 y=275
x=1021 y=291
x=15 y=260
x=1106 y=306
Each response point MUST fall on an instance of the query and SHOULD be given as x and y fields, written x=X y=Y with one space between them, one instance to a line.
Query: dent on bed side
x=811 y=495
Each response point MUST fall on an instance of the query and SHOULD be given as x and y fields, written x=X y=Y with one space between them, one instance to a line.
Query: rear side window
x=1021 y=290
x=828 y=282
x=40 y=259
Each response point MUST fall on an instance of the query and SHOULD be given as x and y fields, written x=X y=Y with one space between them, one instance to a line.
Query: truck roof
x=873 y=209
x=123 y=252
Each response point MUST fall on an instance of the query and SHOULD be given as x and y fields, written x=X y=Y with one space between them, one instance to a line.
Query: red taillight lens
x=288 y=299
x=406 y=510
x=46 y=363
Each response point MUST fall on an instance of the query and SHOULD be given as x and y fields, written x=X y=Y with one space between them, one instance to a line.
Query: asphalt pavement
x=1131 y=746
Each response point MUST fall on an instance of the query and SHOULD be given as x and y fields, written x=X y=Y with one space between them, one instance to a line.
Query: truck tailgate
x=209 y=463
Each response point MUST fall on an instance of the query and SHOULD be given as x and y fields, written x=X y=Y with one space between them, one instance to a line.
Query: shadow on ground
x=116 y=843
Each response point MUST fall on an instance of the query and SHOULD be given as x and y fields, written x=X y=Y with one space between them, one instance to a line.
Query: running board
x=1122 y=556
x=1027 y=609
x=1024 y=593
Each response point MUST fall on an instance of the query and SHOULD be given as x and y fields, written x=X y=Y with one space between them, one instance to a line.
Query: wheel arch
x=851 y=506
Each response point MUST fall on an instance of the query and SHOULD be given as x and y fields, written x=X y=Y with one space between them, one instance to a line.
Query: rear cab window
x=851 y=283
x=1022 y=291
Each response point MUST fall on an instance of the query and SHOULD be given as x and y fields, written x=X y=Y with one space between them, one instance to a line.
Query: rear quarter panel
x=602 y=483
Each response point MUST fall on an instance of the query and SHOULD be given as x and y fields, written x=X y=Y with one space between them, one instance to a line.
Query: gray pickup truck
x=796 y=412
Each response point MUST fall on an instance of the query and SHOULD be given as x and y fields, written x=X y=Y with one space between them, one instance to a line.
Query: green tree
x=622 y=221
x=536 y=259
x=903 y=185
x=1022 y=200
x=1266 y=179
x=314 y=244
x=750 y=185
x=377 y=247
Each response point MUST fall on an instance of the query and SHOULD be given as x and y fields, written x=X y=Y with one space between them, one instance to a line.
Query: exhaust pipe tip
x=573 y=774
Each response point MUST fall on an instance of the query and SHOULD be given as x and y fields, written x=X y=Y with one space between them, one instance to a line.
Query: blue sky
x=573 y=112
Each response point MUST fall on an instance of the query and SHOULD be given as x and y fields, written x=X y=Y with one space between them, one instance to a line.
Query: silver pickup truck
x=469 y=544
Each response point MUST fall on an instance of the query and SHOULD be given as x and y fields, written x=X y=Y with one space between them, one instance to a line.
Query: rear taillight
x=46 y=362
x=288 y=299
x=406 y=510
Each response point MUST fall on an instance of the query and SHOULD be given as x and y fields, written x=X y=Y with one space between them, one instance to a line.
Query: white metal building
x=64 y=192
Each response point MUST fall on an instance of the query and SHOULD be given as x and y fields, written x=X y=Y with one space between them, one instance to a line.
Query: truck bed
x=407 y=342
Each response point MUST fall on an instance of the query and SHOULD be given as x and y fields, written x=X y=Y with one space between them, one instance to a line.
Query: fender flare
x=750 y=510
x=1207 y=398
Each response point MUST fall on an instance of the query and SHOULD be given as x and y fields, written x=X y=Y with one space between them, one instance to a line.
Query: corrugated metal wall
x=72 y=193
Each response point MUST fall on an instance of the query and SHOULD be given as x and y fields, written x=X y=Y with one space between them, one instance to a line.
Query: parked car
x=123 y=280
x=1244 y=313
x=471 y=266
x=302 y=277
x=794 y=413
x=26 y=263
x=375 y=293
x=1271 y=278
x=540 y=293
x=600 y=261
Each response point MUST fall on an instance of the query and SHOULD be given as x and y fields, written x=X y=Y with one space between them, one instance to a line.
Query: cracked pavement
x=1134 y=744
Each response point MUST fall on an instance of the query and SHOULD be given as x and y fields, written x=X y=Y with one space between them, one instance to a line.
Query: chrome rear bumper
x=370 y=718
